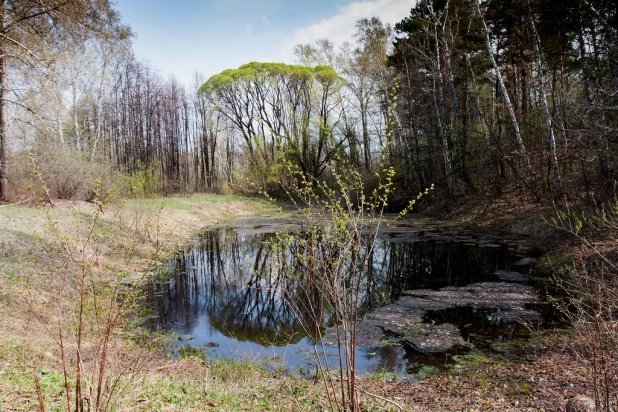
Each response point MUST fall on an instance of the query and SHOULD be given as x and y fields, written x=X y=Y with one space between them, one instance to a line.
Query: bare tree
x=27 y=26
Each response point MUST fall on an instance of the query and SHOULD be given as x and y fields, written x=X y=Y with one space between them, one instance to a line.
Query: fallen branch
x=17 y=203
x=379 y=397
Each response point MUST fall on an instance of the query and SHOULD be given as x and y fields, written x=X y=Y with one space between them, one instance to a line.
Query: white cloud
x=341 y=27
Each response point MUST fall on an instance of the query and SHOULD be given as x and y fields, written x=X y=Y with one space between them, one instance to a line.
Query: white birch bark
x=507 y=99
x=548 y=121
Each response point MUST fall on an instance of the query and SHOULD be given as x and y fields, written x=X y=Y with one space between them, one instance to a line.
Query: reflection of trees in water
x=233 y=279
x=433 y=265
x=386 y=357
x=228 y=278
x=398 y=266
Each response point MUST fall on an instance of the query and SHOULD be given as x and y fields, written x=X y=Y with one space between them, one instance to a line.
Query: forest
x=474 y=97
x=500 y=116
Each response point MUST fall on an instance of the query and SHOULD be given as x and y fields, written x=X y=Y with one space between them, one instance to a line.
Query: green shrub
x=145 y=182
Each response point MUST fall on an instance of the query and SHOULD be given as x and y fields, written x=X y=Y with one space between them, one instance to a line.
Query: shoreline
x=205 y=380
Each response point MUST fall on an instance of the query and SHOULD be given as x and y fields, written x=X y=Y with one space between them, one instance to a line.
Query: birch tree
x=505 y=94
x=548 y=121
x=26 y=28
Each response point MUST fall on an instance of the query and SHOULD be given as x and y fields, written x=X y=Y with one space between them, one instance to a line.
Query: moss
x=474 y=359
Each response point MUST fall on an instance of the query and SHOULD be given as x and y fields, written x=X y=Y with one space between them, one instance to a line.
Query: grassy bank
x=127 y=239
x=43 y=343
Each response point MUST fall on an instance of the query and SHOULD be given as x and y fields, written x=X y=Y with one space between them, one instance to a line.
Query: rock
x=404 y=319
x=395 y=318
x=185 y=338
x=420 y=303
x=491 y=245
x=513 y=315
x=212 y=345
x=428 y=338
x=500 y=295
x=368 y=333
x=508 y=276
x=525 y=261
x=580 y=403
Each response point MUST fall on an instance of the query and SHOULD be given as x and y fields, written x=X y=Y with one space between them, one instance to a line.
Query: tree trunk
x=366 y=144
x=602 y=145
x=550 y=130
x=610 y=37
x=491 y=150
x=441 y=106
x=507 y=99
x=457 y=126
x=3 y=114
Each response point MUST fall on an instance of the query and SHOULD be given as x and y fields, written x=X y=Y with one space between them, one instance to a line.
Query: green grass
x=519 y=388
x=224 y=385
x=14 y=210
x=188 y=203
x=427 y=372
x=21 y=212
x=196 y=384
x=17 y=380
x=382 y=375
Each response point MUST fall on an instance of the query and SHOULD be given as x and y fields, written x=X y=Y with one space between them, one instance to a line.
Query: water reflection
x=227 y=282
x=226 y=292
x=431 y=264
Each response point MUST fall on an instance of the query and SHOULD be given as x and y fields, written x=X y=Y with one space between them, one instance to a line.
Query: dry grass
x=195 y=383
x=33 y=259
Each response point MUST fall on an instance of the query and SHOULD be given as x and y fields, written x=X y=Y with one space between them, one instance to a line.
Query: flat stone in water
x=500 y=295
x=517 y=314
x=401 y=239
x=428 y=338
x=396 y=318
x=415 y=302
x=525 y=261
x=185 y=338
x=368 y=333
x=510 y=276
x=490 y=245
x=404 y=317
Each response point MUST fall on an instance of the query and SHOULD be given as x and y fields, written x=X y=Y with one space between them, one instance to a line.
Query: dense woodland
x=474 y=97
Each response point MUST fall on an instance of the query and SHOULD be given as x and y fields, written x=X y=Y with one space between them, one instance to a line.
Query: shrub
x=145 y=182
x=591 y=286
x=67 y=174
x=325 y=266
x=93 y=280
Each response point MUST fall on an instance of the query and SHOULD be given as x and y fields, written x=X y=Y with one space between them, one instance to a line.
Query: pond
x=437 y=282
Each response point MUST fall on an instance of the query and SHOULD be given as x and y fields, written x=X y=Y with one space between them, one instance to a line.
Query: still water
x=220 y=295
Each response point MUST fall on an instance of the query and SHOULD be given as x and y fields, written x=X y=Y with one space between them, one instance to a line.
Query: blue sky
x=181 y=37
